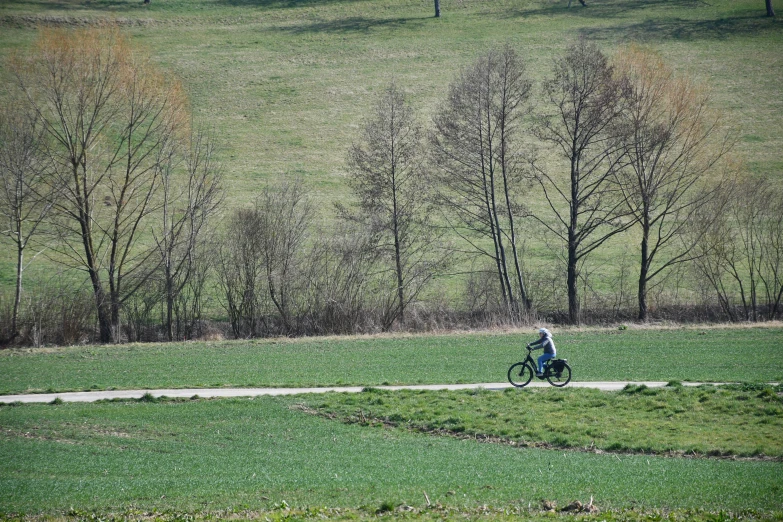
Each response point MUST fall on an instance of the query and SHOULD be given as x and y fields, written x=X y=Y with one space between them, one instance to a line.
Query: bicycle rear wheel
x=520 y=374
x=560 y=378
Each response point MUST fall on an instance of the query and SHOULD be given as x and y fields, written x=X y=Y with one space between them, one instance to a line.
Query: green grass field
x=684 y=354
x=350 y=456
x=286 y=83
x=736 y=420
x=240 y=454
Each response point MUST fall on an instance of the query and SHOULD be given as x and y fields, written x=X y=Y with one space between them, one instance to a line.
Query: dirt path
x=92 y=396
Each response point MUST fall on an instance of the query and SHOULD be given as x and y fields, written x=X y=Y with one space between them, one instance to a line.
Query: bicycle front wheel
x=560 y=378
x=520 y=374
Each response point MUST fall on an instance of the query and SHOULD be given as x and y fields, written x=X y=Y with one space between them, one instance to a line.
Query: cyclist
x=544 y=341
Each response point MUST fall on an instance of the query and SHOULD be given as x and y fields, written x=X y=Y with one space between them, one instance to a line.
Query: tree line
x=105 y=173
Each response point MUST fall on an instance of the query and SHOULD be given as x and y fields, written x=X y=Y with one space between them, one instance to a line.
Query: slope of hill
x=285 y=84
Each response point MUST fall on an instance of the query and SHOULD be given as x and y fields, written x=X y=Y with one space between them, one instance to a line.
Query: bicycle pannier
x=557 y=364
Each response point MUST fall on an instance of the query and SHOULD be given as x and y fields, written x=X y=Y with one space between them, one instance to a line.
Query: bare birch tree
x=110 y=118
x=672 y=144
x=189 y=199
x=582 y=102
x=26 y=189
x=386 y=174
x=477 y=146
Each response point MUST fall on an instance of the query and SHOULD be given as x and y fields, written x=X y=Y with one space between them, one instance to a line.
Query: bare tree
x=287 y=214
x=742 y=253
x=189 y=200
x=584 y=100
x=26 y=191
x=476 y=146
x=261 y=257
x=756 y=212
x=239 y=272
x=771 y=273
x=387 y=175
x=340 y=269
x=770 y=10
x=718 y=260
x=437 y=8
x=111 y=118
x=670 y=143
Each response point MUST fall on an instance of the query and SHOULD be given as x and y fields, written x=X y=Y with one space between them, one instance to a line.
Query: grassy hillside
x=286 y=83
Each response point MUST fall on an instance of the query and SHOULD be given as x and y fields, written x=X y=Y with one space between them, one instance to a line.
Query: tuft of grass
x=148 y=397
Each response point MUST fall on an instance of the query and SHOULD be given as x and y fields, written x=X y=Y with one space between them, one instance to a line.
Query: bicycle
x=556 y=371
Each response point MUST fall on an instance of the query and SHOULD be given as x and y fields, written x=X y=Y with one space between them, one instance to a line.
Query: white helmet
x=545 y=332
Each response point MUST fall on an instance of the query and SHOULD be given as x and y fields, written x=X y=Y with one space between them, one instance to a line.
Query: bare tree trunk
x=169 y=302
x=643 y=272
x=437 y=8
x=572 y=278
x=770 y=10
x=512 y=301
x=104 y=316
x=398 y=259
x=18 y=295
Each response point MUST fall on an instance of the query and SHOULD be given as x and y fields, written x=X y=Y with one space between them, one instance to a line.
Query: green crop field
x=263 y=454
x=685 y=354
x=685 y=453
x=733 y=420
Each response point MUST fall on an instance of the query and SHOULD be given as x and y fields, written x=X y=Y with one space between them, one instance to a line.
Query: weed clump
x=148 y=397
